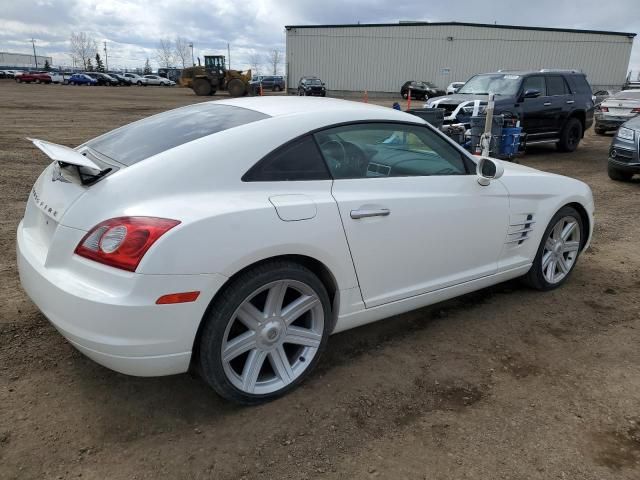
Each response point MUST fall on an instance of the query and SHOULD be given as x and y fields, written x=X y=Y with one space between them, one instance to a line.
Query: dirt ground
x=504 y=383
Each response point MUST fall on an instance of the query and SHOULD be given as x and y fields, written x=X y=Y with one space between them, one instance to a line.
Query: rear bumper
x=117 y=323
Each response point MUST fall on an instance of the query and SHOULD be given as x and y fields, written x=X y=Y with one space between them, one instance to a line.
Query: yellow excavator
x=214 y=76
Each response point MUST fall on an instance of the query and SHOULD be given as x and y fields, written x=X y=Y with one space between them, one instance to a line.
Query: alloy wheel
x=272 y=337
x=561 y=249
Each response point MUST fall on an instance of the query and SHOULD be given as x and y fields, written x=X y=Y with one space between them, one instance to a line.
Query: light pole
x=35 y=58
x=193 y=60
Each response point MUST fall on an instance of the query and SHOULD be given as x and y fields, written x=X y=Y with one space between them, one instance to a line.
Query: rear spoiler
x=65 y=155
x=68 y=156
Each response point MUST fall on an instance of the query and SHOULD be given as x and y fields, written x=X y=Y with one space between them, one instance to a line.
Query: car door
x=536 y=116
x=415 y=217
x=561 y=100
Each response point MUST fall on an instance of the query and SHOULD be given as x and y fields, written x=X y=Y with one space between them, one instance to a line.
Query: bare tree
x=274 y=58
x=182 y=51
x=83 y=47
x=165 y=54
x=255 y=61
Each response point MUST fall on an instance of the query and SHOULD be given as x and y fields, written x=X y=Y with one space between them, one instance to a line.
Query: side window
x=535 y=83
x=556 y=85
x=371 y=150
x=296 y=160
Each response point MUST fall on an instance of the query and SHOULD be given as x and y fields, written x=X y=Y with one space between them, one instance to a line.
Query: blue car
x=82 y=79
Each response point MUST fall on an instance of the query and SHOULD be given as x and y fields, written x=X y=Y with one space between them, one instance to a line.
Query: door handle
x=570 y=101
x=366 y=213
x=546 y=104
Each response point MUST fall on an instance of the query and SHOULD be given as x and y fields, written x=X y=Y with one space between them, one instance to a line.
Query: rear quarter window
x=150 y=136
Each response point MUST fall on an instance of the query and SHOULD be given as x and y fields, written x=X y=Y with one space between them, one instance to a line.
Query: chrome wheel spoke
x=275 y=297
x=250 y=316
x=546 y=259
x=551 y=271
x=239 y=345
x=280 y=364
x=568 y=230
x=571 y=246
x=302 y=336
x=299 y=307
x=562 y=265
x=251 y=370
x=557 y=231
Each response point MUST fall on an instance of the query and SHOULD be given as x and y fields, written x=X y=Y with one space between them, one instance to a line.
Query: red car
x=36 y=77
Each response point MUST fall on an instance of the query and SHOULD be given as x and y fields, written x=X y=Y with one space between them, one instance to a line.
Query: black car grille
x=621 y=154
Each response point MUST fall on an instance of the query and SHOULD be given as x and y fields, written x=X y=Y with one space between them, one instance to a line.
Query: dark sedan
x=624 y=152
x=421 y=90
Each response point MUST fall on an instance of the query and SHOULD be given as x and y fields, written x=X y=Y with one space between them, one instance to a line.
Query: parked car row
x=89 y=78
x=9 y=73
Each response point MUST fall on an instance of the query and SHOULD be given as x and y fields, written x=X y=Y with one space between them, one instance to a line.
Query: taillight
x=635 y=110
x=604 y=109
x=122 y=242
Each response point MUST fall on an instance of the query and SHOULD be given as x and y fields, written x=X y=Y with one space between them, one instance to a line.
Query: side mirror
x=532 y=93
x=489 y=169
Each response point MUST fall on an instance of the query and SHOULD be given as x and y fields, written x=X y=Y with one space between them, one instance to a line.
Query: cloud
x=132 y=28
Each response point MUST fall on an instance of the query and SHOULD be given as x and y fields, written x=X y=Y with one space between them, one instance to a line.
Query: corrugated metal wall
x=381 y=58
x=20 y=60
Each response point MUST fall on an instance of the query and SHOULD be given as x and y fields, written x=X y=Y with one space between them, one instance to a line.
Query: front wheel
x=558 y=251
x=265 y=332
x=570 y=135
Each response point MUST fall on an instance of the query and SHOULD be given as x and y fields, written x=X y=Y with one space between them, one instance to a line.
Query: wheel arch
x=586 y=222
x=582 y=118
x=317 y=267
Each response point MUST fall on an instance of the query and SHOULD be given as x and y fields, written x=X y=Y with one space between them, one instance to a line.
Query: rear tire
x=277 y=369
x=551 y=249
x=618 y=175
x=201 y=87
x=570 y=135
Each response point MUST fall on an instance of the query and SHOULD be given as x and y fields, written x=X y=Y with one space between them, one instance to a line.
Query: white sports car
x=235 y=236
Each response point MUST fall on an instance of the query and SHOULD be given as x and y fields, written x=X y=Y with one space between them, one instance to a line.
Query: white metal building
x=21 y=60
x=381 y=57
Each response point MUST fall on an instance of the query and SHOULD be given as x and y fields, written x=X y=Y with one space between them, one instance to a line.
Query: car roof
x=292 y=105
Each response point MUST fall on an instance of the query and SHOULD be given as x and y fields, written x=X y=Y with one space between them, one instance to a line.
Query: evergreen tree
x=147 y=68
x=47 y=67
x=99 y=64
x=89 y=65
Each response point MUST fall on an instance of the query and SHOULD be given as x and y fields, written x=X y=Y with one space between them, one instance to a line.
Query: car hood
x=633 y=123
x=458 y=98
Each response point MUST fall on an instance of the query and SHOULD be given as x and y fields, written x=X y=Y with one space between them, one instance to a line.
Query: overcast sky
x=132 y=28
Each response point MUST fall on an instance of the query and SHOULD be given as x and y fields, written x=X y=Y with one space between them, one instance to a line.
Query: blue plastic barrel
x=510 y=141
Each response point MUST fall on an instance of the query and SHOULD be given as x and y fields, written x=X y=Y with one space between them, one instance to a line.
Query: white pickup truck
x=60 y=77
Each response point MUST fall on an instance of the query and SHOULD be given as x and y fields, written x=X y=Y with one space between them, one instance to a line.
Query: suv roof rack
x=562 y=70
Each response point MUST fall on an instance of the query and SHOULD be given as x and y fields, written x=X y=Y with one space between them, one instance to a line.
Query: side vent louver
x=520 y=228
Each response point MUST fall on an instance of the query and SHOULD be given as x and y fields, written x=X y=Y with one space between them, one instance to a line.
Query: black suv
x=420 y=90
x=553 y=106
x=269 y=82
x=311 y=86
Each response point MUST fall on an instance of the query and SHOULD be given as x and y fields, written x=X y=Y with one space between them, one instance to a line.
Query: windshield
x=497 y=83
x=313 y=81
x=150 y=136
x=628 y=95
x=429 y=84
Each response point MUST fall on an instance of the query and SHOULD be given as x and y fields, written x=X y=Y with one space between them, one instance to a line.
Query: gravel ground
x=502 y=383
